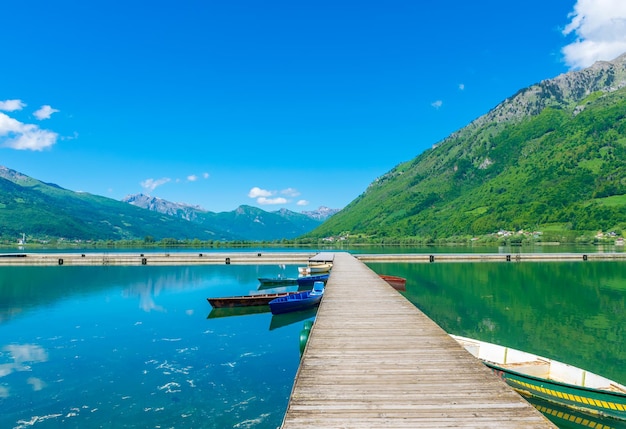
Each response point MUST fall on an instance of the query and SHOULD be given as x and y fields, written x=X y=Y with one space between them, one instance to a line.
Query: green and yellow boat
x=550 y=380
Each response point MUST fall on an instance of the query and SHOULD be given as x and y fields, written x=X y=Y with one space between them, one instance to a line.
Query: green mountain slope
x=552 y=157
x=256 y=224
x=45 y=210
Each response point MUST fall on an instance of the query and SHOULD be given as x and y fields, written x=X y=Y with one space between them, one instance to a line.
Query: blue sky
x=275 y=104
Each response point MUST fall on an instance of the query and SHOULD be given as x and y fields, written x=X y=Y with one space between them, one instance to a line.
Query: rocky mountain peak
x=159 y=205
x=12 y=175
x=564 y=91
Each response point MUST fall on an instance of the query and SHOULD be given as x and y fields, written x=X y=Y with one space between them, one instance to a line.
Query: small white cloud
x=205 y=175
x=302 y=203
x=152 y=184
x=258 y=192
x=437 y=104
x=290 y=192
x=192 y=178
x=12 y=105
x=270 y=201
x=17 y=135
x=74 y=136
x=44 y=112
x=600 y=30
x=462 y=87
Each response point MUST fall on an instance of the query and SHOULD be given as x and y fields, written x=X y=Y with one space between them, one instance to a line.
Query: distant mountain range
x=246 y=221
x=551 y=159
x=47 y=211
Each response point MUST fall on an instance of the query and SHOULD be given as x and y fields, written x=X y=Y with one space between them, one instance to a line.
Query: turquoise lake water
x=140 y=347
x=92 y=347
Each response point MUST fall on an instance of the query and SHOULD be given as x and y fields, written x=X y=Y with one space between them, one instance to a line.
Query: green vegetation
x=558 y=173
x=48 y=212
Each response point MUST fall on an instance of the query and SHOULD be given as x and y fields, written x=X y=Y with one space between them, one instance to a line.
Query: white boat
x=315 y=269
x=550 y=380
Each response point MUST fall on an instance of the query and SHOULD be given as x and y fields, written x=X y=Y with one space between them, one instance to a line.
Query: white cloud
x=290 y=192
x=17 y=135
x=258 y=192
x=152 y=184
x=269 y=201
x=44 y=112
x=600 y=29
x=303 y=203
x=437 y=104
x=195 y=177
x=263 y=195
x=461 y=86
x=12 y=105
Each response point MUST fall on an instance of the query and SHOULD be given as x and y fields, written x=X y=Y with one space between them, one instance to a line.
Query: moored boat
x=315 y=268
x=298 y=301
x=278 y=280
x=246 y=300
x=551 y=380
x=398 y=283
x=310 y=280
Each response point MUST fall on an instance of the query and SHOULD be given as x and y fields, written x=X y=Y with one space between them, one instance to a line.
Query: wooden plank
x=374 y=360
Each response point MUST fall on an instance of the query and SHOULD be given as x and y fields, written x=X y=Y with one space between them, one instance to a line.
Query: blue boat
x=298 y=301
x=309 y=280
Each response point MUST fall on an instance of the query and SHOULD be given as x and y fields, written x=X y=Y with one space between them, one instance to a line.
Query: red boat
x=398 y=283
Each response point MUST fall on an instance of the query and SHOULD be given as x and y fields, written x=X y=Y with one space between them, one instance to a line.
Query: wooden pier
x=491 y=257
x=373 y=360
x=156 y=258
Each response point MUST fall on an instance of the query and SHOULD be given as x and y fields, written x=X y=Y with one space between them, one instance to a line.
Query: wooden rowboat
x=298 y=301
x=315 y=268
x=273 y=281
x=310 y=280
x=246 y=300
x=398 y=283
x=550 y=380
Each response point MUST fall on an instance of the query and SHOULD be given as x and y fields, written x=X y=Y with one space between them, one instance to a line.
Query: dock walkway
x=373 y=360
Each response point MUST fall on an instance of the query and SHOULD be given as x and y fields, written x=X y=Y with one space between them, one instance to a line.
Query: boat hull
x=310 y=280
x=398 y=283
x=295 y=302
x=315 y=269
x=278 y=281
x=591 y=401
x=246 y=300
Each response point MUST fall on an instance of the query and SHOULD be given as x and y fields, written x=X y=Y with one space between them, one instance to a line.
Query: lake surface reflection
x=134 y=347
x=109 y=346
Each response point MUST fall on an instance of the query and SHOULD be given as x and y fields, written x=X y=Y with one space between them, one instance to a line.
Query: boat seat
x=318 y=288
x=535 y=368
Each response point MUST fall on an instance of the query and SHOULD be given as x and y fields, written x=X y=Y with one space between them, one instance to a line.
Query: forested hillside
x=41 y=210
x=551 y=159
